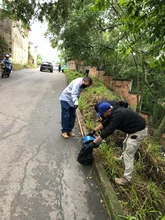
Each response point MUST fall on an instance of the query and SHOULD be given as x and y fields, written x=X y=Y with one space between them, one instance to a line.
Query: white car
x=55 y=66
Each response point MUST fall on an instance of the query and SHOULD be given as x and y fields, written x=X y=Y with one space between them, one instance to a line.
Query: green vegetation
x=4 y=47
x=125 y=38
x=145 y=197
x=39 y=59
x=30 y=57
x=23 y=66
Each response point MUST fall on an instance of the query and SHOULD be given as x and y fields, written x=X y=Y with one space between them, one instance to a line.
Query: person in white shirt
x=69 y=103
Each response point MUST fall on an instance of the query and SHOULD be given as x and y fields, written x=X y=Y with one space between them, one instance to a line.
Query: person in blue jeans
x=69 y=103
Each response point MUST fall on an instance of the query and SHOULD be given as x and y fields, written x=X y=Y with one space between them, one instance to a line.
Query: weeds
x=23 y=66
x=145 y=198
x=71 y=75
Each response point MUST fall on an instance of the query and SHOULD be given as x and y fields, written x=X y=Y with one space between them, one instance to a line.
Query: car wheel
x=41 y=70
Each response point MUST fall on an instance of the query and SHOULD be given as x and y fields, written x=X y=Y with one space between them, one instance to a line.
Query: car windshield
x=46 y=63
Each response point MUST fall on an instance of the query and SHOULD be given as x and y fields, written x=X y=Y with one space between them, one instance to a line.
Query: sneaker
x=70 y=133
x=122 y=181
x=64 y=135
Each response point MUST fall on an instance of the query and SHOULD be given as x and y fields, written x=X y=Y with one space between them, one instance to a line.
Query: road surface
x=40 y=178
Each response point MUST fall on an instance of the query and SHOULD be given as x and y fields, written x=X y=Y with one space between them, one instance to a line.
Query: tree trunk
x=161 y=128
x=138 y=83
x=76 y=62
x=142 y=83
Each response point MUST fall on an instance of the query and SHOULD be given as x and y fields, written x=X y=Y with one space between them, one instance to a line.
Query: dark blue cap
x=103 y=107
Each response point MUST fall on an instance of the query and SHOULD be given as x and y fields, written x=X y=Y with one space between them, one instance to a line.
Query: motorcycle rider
x=7 y=57
x=8 y=61
x=10 y=58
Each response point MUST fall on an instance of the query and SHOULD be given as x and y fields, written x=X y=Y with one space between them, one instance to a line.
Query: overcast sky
x=37 y=36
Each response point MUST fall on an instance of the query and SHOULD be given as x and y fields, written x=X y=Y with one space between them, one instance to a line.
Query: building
x=33 y=52
x=17 y=39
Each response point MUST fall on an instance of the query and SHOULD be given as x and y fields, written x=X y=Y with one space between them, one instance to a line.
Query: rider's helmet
x=7 y=56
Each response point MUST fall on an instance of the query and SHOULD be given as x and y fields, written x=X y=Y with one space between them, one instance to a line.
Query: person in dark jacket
x=59 y=67
x=127 y=121
x=113 y=103
x=86 y=72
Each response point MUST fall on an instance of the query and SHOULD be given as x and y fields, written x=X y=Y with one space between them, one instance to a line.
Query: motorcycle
x=6 y=68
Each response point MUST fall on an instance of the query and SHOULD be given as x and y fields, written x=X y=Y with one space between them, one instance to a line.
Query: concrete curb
x=113 y=206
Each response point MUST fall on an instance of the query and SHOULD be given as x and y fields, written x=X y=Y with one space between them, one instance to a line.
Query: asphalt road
x=40 y=178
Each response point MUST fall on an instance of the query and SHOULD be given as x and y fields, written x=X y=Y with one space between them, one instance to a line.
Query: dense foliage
x=123 y=37
x=144 y=199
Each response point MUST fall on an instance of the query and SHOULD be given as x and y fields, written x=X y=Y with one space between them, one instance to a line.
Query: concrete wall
x=18 y=43
x=5 y=30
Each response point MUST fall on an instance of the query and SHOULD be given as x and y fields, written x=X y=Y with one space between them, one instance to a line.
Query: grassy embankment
x=23 y=66
x=144 y=199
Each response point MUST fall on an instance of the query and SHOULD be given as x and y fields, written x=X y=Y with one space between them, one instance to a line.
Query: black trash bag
x=86 y=155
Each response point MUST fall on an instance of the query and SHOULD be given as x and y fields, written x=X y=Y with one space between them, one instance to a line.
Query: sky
x=36 y=35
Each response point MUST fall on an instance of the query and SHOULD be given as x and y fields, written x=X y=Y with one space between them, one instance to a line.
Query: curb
x=113 y=206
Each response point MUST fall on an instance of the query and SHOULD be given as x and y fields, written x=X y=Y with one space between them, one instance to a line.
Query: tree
x=39 y=59
x=74 y=35
x=123 y=37
x=25 y=10
x=161 y=128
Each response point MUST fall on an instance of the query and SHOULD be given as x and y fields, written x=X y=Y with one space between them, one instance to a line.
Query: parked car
x=46 y=66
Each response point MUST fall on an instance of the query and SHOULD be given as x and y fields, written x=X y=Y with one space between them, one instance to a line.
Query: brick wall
x=122 y=87
x=132 y=100
x=71 y=65
x=108 y=81
x=145 y=116
x=92 y=71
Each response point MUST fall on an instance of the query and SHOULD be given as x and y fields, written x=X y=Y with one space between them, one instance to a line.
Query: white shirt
x=72 y=92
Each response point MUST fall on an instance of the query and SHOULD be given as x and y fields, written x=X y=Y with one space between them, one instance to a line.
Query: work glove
x=93 y=145
x=91 y=133
x=76 y=102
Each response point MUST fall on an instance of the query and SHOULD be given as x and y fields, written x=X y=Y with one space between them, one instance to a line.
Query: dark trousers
x=86 y=73
x=68 y=116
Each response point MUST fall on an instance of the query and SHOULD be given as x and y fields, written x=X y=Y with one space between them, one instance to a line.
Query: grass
x=23 y=66
x=144 y=199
